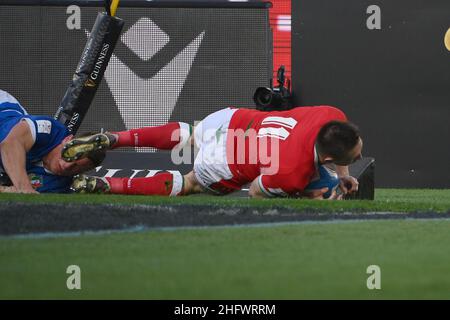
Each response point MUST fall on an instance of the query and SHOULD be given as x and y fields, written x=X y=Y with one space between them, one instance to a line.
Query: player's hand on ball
x=348 y=184
x=336 y=195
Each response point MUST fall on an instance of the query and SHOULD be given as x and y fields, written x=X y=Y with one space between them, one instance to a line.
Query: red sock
x=164 y=137
x=163 y=184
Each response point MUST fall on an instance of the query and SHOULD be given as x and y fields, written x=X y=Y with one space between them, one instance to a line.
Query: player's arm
x=267 y=186
x=347 y=183
x=13 y=151
x=255 y=191
x=258 y=190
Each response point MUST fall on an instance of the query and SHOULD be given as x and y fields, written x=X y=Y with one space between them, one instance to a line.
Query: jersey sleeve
x=47 y=134
x=41 y=130
x=280 y=185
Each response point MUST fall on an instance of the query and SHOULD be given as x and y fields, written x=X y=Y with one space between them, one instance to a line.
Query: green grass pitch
x=297 y=261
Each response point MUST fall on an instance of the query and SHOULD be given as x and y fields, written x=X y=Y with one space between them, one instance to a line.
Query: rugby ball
x=327 y=178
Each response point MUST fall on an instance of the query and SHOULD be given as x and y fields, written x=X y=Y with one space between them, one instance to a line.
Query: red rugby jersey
x=277 y=146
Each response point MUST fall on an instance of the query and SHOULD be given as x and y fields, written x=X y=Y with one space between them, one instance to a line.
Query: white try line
x=142 y=228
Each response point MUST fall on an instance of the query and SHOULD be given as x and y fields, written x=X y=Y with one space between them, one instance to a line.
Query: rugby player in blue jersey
x=30 y=151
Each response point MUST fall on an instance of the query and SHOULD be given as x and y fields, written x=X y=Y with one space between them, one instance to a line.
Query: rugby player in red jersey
x=277 y=152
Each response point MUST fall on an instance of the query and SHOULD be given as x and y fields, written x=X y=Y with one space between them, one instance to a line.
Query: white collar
x=41 y=164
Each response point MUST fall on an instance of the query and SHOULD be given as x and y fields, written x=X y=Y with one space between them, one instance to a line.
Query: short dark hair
x=337 y=138
x=96 y=157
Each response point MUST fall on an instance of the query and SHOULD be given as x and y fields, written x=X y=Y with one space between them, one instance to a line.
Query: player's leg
x=163 y=183
x=166 y=137
x=211 y=168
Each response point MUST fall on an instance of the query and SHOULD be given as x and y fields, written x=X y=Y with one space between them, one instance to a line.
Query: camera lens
x=266 y=97
x=263 y=97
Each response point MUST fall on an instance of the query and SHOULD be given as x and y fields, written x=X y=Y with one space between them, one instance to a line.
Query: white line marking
x=141 y=228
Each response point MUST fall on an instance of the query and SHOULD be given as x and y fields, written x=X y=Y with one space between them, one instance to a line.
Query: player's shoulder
x=324 y=109
x=316 y=114
x=46 y=124
x=47 y=133
x=333 y=111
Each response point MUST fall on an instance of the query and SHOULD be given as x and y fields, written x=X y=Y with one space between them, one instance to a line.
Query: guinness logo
x=145 y=39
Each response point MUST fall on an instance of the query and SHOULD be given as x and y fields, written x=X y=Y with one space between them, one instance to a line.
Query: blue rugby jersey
x=47 y=134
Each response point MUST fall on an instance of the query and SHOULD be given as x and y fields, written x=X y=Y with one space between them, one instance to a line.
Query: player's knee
x=191 y=184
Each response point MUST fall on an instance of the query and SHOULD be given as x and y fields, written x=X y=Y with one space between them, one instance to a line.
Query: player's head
x=57 y=165
x=339 y=142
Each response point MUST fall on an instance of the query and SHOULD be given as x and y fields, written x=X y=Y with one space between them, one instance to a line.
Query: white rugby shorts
x=210 y=134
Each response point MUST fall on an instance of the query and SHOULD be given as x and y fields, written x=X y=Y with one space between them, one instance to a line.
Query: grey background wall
x=170 y=64
x=394 y=82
